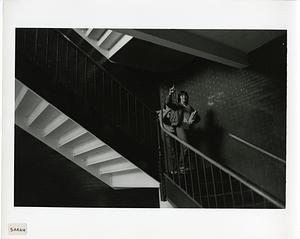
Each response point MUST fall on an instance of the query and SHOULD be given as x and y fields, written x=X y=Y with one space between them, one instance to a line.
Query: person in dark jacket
x=168 y=141
x=182 y=118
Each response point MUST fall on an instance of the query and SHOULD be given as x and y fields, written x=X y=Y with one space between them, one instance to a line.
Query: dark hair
x=183 y=93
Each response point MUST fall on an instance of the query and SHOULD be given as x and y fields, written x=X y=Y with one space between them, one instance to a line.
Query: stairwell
x=66 y=99
x=82 y=112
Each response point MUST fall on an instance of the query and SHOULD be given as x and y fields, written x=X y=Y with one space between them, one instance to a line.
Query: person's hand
x=172 y=90
x=191 y=121
x=192 y=117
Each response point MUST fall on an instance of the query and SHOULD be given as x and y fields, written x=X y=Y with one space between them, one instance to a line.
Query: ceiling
x=151 y=57
x=243 y=40
x=163 y=50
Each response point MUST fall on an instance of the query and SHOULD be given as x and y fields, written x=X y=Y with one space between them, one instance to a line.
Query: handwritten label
x=17 y=229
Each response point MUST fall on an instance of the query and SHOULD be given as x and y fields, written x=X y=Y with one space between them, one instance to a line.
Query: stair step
x=54 y=124
x=71 y=135
x=96 y=34
x=88 y=146
x=102 y=160
x=103 y=37
x=28 y=104
x=20 y=96
x=116 y=165
x=39 y=109
x=113 y=171
x=111 y=40
x=133 y=179
x=18 y=87
x=106 y=41
x=42 y=120
x=102 y=157
x=119 y=44
x=88 y=32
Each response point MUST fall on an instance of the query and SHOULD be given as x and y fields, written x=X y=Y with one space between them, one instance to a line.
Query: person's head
x=183 y=97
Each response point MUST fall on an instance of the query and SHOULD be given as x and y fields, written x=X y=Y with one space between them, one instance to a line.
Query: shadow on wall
x=209 y=139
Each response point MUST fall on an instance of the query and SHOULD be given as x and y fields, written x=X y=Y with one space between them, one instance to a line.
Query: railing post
x=161 y=167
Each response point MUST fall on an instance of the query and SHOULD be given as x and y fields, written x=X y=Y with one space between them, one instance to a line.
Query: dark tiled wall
x=249 y=103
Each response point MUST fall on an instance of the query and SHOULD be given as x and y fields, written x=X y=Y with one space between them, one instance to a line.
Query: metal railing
x=209 y=183
x=265 y=152
x=72 y=69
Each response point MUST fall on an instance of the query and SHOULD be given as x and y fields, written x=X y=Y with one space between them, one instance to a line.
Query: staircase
x=106 y=41
x=205 y=182
x=54 y=128
x=65 y=73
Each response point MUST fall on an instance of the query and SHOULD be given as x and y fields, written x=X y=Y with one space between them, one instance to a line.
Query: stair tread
x=71 y=135
x=20 y=96
x=90 y=162
x=117 y=170
x=54 y=124
x=37 y=111
x=88 y=146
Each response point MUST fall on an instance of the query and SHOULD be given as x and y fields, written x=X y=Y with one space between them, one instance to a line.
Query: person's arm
x=169 y=101
x=196 y=117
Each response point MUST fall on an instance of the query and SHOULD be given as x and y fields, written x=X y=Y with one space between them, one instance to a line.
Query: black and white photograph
x=150 y=118
x=146 y=119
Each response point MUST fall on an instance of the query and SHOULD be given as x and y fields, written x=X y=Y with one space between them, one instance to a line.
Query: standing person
x=182 y=118
x=169 y=142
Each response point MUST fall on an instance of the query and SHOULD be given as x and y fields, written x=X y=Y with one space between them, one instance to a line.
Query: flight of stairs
x=106 y=41
x=45 y=122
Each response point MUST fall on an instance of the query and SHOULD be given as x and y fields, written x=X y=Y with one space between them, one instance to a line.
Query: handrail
x=127 y=112
x=257 y=148
x=221 y=167
x=102 y=68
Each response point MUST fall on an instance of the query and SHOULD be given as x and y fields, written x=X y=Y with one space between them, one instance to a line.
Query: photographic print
x=150 y=118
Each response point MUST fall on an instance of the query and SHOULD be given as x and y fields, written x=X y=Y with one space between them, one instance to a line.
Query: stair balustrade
x=73 y=77
x=206 y=182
